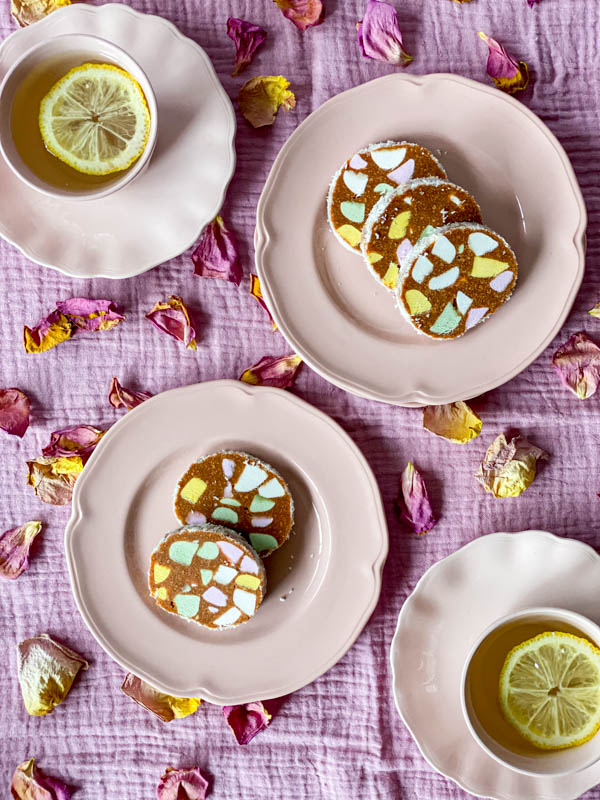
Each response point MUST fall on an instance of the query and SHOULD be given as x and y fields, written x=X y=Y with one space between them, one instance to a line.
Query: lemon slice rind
x=95 y=119
x=550 y=690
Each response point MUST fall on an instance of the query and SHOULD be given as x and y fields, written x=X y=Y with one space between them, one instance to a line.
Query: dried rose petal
x=595 y=311
x=14 y=549
x=90 y=315
x=531 y=3
x=509 y=75
x=120 y=397
x=577 y=363
x=47 y=670
x=76 y=440
x=182 y=784
x=173 y=318
x=303 y=13
x=50 y=331
x=164 y=706
x=247 y=720
x=30 y=783
x=379 y=35
x=454 y=421
x=14 y=411
x=413 y=503
x=509 y=467
x=279 y=371
x=256 y=293
x=53 y=479
x=217 y=255
x=261 y=97
x=247 y=39
x=27 y=12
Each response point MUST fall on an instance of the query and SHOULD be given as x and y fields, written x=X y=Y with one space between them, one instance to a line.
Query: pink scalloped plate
x=325 y=301
x=322 y=585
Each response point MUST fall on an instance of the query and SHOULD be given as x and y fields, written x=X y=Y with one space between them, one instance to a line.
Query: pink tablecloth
x=340 y=737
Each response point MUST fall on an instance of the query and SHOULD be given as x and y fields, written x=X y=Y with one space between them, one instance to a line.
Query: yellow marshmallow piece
x=417 y=302
x=374 y=257
x=193 y=490
x=350 y=234
x=248 y=581
x=161 y=593
x=487 y=267
x=391 y=276
x=399 y=225
x=161 y=573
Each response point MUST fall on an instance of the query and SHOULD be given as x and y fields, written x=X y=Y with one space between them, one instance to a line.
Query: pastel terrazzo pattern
x=366 y=176
x=455 y=278
x=207 y=574
x=240 y=491
x=400 y=218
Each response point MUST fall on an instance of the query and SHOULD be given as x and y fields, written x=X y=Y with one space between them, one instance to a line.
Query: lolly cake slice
x=400 y=218
x=455 y=278
x=366 y=176
x=240 y=491
x=207 y=574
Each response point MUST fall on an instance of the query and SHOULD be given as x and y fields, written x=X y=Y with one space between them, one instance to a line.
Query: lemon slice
x=550 y=690
x=95 y=119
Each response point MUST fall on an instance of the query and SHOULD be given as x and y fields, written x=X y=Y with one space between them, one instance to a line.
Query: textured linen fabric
x=339 y=737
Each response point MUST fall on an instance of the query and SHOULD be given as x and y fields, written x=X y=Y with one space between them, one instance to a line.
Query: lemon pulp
x=95 y=119
x=550 y=690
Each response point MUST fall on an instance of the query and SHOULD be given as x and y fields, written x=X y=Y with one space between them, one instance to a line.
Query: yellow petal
x=47 y=670
x=454 y=421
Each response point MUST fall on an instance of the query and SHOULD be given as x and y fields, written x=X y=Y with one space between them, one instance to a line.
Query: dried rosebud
x=47 y=670
x=90 y=315
x=120 y=397
x=50 y=331
x=379 y=35
x=14 y=549
x=279 y=371
x=30 y=783
x=303 y=13
x=261 y=97
x=247 y=720
x=577 y=363
x=173 y=318
x=509 y=467
x=182 y=784
x=53 y=478
x=164 y=706
x=454 y=421
x=216 y=255
x=256 y=293
x=413 y=503
x=247 y=39
x=509 y=75
x=27 y=12
x=14 y=411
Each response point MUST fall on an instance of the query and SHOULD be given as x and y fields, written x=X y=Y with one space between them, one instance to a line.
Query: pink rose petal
x=90 y=315
x=577 y=363
x=182 y=784
x=120 y=397
x=256 y=293
x=76 y=440
x=216 y=255
x=164 y=706
x=279 y=371
x=246 y=721
x=50 y=331
x=531 y=3
x=379 y=35
x=247 y=39
x=509 y=75
x=413 y=501
x=303 y=13
x=30 y=783
x=14 y=549
x=14 y=411
x=173 y=318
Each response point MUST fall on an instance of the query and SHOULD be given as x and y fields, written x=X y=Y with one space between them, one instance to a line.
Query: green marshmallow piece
x=260 y=504
x=229 y=501
x=206 y=575
x=187 y=604
x=225 y=514
x=447 y=321
x=262 y=541
x=183 y=552
x=209 y=550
